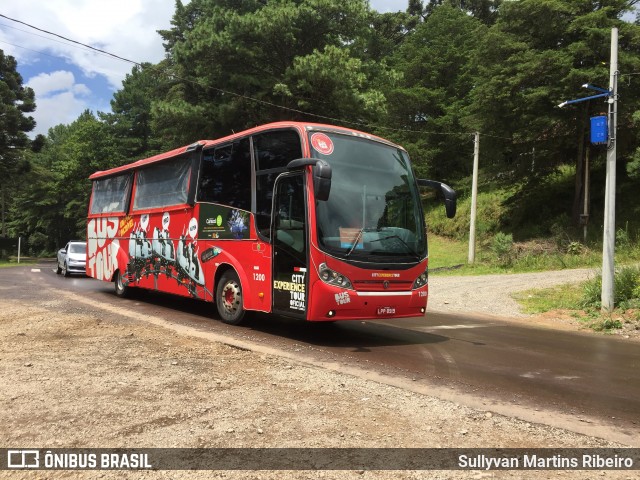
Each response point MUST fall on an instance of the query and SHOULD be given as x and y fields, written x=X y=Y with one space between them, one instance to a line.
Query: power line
x=239 y=95
x=30 y=49
x=36 y=35
x=79 y=47
x=70 y=40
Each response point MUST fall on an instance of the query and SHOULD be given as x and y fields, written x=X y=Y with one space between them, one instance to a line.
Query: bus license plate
x=385 y=311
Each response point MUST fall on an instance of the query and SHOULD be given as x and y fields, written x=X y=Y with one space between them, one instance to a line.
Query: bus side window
x=290 y=221
x=273 y=151
x=111 y=194
x=225 y=175
x=162 y=184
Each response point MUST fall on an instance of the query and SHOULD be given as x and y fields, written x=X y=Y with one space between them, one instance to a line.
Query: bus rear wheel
x=121 y=289
x=229 y=298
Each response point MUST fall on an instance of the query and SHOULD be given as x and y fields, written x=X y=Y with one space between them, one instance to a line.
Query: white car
x=72 y=259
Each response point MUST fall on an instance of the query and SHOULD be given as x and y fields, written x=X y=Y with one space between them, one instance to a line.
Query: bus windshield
x=373 y=213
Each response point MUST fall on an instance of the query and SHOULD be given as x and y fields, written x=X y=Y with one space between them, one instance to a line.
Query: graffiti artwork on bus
x=158 y=255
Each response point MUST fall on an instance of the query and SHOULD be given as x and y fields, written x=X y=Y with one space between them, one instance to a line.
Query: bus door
x=290 y=245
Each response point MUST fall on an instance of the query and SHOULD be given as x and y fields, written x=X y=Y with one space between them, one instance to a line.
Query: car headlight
x=422 y=280
x=332 y=277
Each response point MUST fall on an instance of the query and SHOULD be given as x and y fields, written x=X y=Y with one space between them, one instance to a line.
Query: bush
x=592 y=292
x=626 y=288
x=490 y=210
x=606 y=324
x=626 y=283
x=502 y=247
x=622 y=237
x=575 y=248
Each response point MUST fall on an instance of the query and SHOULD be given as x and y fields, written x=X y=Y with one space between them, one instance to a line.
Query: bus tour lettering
x=289 y=286
x=102 y=249
x=296 y=288
x=126 y=224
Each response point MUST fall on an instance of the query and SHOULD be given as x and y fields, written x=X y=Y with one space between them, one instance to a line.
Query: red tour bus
x=311 y=221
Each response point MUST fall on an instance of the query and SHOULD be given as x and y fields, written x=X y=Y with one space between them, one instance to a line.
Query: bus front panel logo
x=322 y=143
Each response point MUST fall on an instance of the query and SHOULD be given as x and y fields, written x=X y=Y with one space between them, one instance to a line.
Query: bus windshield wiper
x=357 y=239
x=406 y=245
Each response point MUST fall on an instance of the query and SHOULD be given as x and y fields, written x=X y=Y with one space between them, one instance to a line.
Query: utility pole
x=474 y=198
x=585 y=205
x=609 y=236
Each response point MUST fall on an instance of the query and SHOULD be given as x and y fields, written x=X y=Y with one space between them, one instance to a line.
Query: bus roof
x=300 y=126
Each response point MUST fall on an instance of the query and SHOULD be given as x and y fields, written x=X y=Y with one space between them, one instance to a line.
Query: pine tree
x=15 y=101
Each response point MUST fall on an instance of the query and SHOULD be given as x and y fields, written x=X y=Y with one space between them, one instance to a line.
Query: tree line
x=426 y=78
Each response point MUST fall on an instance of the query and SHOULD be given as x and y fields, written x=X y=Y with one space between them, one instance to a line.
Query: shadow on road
x=360 y=335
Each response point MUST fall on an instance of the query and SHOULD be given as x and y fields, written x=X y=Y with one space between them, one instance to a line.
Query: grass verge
x=562 y=297
x=570 y=299
x=12 y=261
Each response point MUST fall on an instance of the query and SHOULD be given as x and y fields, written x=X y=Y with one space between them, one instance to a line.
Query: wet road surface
x=579 y=374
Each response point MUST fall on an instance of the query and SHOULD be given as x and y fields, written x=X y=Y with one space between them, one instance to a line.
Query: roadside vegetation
x=13 y=262
x=524 y=228
x=582 y=301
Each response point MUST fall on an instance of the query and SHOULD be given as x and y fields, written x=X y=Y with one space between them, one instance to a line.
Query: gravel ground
x=75 y=376
x=491 y=294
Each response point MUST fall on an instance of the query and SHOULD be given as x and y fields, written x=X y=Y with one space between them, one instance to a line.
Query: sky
x=67 y=78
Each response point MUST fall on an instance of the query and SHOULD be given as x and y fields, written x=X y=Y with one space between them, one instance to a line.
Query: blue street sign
x=599 y=130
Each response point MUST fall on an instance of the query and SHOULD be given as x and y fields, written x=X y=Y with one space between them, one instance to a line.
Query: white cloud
x=60 y=108
x=81 y=89
x=127 y=28
x=46 y=83
x=57 y=99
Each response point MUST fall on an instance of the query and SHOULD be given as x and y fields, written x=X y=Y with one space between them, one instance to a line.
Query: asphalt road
x=548 y=373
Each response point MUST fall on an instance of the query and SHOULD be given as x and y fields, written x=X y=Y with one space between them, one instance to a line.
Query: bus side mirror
x=321 y=175
x=322 y=180
x=449 y=194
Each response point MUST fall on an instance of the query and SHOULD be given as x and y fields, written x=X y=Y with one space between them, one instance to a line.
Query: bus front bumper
x=341 y=304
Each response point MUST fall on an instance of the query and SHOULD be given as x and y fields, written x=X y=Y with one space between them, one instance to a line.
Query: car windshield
x=78 y=248
x=374 y=210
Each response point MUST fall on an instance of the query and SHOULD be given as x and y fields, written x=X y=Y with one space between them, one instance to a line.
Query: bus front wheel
x=121 y=289
x=229 y=298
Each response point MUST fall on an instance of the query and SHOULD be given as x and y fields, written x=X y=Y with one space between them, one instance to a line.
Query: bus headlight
x=422 y=280
x=333 y=278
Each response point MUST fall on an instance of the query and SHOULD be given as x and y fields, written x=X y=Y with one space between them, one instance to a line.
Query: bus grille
x=378 y=285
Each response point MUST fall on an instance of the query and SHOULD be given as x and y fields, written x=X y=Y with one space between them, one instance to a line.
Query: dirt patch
x=627 y=323
x=76 y=378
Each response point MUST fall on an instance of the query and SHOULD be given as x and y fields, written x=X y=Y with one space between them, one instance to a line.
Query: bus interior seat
x=292 y=238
